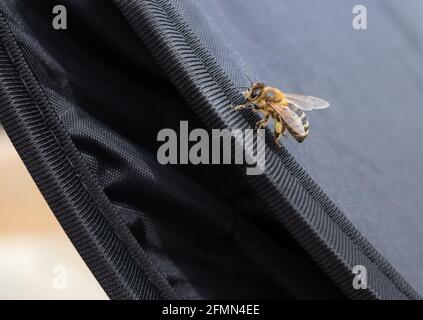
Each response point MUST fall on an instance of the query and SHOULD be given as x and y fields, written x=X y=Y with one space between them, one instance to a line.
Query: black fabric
x=184 y=46
x=103 y=241
x=203 y=228
x=206 y=230
x=364 y=151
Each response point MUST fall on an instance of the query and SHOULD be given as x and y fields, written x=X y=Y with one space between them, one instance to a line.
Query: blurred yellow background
x=37 y=260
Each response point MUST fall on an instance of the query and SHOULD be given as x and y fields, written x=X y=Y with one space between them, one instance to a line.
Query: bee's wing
x=291 y=119
x=306 y=103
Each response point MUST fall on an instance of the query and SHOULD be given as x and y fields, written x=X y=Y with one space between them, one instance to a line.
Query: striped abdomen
x=296 y=123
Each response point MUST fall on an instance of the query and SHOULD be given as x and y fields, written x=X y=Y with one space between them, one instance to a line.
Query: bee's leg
x=263 y=123
x=279 y=130
x=239 y=107
x=242 y=106
x=256 y=108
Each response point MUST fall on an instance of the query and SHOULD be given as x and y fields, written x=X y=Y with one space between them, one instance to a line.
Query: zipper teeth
x=172 y=43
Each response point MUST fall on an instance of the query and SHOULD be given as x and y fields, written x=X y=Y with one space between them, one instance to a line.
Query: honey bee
x=286 y=109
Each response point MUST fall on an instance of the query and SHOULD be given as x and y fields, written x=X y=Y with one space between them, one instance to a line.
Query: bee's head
x=253 y=93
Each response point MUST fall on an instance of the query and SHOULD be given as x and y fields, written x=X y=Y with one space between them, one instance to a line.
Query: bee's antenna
x=249 y=78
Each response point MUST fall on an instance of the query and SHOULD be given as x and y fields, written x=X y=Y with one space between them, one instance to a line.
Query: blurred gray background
x=37 y=260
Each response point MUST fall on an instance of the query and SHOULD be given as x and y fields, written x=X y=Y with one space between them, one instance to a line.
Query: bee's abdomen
x=299 y=136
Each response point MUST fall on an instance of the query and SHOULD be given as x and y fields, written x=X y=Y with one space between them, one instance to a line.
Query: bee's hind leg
x=279 y=130
x=263 y=123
